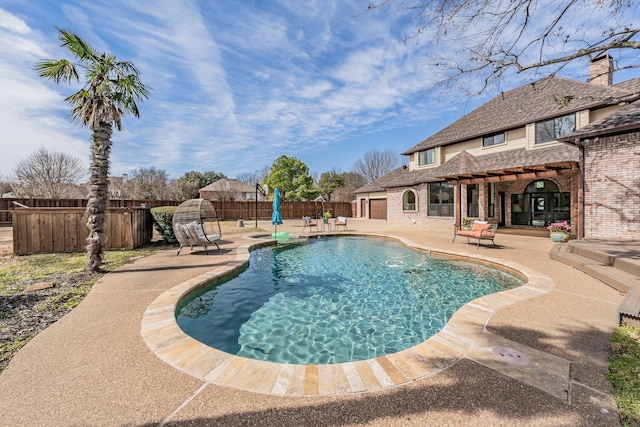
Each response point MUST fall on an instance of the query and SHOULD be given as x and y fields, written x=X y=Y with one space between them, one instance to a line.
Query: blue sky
x=235 y=84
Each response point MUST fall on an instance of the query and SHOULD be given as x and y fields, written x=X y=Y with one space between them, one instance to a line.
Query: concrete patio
x=93 y=367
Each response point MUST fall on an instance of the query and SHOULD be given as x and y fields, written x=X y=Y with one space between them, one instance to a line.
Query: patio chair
x=196 y=223
x=341 y=221
x=307 y=221
x=481 y=230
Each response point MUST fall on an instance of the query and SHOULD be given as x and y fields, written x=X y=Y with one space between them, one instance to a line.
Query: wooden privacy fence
x=246 y=209
x=227 y=210
x=41 y=230
x=7 y=205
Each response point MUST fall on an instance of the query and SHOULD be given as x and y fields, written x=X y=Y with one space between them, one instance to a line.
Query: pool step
x=617 y=268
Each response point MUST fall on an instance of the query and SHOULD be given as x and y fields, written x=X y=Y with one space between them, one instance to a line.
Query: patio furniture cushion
x=341 y=221
x=476 y=230
x=481 y=230
x=196 y=223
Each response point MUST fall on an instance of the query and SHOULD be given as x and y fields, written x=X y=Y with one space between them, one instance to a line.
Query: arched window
x=542 y=186
x=409 y=201
x=541 y=204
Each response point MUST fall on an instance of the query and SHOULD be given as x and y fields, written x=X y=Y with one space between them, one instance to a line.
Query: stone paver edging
x=464 y=335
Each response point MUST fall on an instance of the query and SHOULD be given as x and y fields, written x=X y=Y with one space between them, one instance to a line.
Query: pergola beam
x=513 y=174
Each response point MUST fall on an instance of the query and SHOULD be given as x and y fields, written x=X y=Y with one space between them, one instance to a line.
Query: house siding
x=609 y=165
x=395 y=214
x=612 y=187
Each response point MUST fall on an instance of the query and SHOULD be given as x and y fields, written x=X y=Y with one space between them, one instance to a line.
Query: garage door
x=378 y=208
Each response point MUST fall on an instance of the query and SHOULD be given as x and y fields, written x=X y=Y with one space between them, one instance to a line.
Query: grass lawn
x=23 y=313
x=624 y=373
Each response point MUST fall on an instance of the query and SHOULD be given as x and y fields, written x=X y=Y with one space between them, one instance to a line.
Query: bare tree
x=148 y=184
x=489 y=40
x=253 y=178
x=183 y=189
x=347 y=192
x=48 y=174
x=376 y=163
x=227 y=195
x=5 y=185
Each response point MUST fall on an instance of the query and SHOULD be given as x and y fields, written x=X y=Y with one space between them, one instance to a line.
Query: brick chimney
x=601 y=70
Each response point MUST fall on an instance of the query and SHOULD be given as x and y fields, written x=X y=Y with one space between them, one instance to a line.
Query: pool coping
x=462 y=335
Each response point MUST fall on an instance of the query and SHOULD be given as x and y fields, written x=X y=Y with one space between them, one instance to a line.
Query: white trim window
x=550 y=130
x=427 y=157
x=494 y=139
x=441 y=201
x=409 y=201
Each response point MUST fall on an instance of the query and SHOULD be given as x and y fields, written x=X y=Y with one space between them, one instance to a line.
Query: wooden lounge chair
x=481 y=230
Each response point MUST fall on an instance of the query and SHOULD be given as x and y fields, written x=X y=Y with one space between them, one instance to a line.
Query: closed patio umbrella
x=276 y=217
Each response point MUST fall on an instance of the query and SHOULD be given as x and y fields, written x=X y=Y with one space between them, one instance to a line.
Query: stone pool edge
x=462 y=334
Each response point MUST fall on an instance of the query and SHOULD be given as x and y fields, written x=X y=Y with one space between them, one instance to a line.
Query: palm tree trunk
x=99 y=197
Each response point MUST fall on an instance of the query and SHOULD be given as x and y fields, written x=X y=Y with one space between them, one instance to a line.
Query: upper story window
x=488 y=141
x=427 y=157
x=409 y=201
x=550 y=130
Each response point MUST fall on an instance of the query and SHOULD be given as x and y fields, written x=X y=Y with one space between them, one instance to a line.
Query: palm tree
x=110 y=92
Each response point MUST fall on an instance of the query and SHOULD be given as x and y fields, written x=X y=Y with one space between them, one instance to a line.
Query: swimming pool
x=335 y=300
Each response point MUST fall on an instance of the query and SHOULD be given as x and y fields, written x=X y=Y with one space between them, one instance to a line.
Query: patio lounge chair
x=196 y=223
x=481 y=230
x=341 y=221
x=308 y=222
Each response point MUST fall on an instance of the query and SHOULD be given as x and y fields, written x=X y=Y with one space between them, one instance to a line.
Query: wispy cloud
x=234 y=84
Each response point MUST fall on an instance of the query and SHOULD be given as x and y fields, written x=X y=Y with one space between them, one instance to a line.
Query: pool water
x=335 y=299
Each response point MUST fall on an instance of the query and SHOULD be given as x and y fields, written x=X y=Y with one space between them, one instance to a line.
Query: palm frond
x=57 y=70
x=111 y=87
x=131 y=85
x=81 y=49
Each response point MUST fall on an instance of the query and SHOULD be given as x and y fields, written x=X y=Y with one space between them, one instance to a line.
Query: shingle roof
x=526 y=104
x=465 y=164
x=371 y=187
x=631 y=85
x=400 y=177
x=559 y=156
x=625 y=119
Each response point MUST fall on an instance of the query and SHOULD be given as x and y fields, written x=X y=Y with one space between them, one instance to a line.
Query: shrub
x=162 y=220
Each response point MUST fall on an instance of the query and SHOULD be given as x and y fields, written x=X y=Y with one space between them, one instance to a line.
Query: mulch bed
x=25 y=314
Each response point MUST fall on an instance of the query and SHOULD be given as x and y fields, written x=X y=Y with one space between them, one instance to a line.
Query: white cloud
x=13 y=23
x=234 y=84
x=27 y=121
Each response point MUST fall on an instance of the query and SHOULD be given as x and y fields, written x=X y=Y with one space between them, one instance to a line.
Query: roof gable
x=526 y=104
x=228 y=185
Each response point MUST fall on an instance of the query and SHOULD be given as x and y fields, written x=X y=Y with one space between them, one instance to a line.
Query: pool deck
x=535 y=355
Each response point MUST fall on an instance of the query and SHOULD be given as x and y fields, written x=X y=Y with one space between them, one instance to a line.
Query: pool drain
x=511 y=356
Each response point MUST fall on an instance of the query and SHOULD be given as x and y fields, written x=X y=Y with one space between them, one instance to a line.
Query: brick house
x=610 y=161
x=518 y=161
